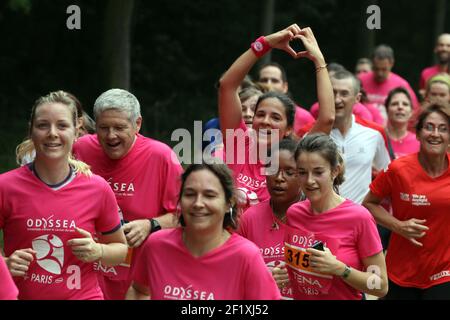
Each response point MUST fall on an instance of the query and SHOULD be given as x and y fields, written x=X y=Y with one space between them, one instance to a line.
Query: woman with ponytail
x=48 y=202
x=332 y=247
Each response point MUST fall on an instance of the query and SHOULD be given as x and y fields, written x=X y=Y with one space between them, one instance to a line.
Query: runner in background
x=399 y=110
x=381 y=80
x=442 y=52
x=274 y=76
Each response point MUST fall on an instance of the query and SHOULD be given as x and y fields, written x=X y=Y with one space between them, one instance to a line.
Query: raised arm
x=230 y=110
x=325 y=94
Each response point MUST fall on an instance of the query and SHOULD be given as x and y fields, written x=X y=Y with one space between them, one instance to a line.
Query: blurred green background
x=175 y=51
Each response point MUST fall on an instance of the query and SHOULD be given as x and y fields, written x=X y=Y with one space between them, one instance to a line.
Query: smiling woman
x=202 y=260
x=274 y=111
x=419 y=185
x=352 y=246
x=47 y=203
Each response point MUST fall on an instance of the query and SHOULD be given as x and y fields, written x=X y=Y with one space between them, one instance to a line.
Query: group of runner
x=82 y=216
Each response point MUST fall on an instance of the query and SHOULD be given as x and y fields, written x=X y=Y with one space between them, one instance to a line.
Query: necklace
x=276 y=218
x=396 y=138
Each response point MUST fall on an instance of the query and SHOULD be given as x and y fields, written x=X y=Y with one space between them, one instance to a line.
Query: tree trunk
x=439 y=22
x=267 y=25
x=366 y=37
x=116 y=43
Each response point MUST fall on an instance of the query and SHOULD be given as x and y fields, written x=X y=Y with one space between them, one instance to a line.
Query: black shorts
x=438 y=292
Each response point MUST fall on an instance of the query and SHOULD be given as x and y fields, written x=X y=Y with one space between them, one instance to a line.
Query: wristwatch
x=154 y=225
x=346 y=272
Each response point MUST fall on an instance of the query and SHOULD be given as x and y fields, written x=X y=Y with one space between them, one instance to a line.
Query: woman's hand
x=325 y=262
x=412 y=229
x=281 y=277
x=312 y=51
x=19 y=262
x=85 y=248
x=281 y=39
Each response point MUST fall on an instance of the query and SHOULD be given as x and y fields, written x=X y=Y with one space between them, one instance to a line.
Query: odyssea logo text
x=49 y=253
x=50 y=257
x=50 y=224
x=188 y=293
x=273 y=252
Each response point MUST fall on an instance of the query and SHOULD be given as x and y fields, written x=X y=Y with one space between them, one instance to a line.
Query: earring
x=231 y=215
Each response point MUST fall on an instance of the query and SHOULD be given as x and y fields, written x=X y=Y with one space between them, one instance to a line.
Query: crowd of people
x=339 y=201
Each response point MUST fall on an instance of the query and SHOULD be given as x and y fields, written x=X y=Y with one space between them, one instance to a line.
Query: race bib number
x=305 y=281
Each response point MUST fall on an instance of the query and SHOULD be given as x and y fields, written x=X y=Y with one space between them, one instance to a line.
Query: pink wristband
x=260 y=47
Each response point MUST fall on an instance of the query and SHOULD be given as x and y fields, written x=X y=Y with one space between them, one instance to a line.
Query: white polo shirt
x=361 y=148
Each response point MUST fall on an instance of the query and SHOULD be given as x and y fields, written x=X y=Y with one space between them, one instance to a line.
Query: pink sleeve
x=172 y=177
x=361 y=111
x=259 y=283
x=376 y=114
x=302 y=118
x=8 y=290
x=140 y=266
x=314 y=110
x=369 y=242
x=422 y=80
x=108 y=219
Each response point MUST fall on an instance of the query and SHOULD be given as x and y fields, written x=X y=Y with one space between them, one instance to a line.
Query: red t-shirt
x=414 y=194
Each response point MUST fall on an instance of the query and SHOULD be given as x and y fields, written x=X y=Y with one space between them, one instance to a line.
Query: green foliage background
x=179 y=49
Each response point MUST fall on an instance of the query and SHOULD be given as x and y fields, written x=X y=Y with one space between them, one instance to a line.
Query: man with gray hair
x=381 y=80
x=143 y=173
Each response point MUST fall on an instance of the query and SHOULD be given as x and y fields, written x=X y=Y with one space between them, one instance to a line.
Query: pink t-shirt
x=259 y=225
x=350 y=228
x=302 y=118
x=248 y=172
x=8 y=290
x=146 y=183
x=407 y=145
x=46 y=219
x=233 y=271
x=378 y=92
x=359 y=110
x=376 y=114
x=426 y=74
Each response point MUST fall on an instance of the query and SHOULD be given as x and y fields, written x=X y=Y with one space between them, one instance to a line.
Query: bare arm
x=230 y=109
x=137 y=231
x=372 y=281
x=114 y=248
x=137 y=292
x=111 y=249
x=325 y=95
x=411 y=229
